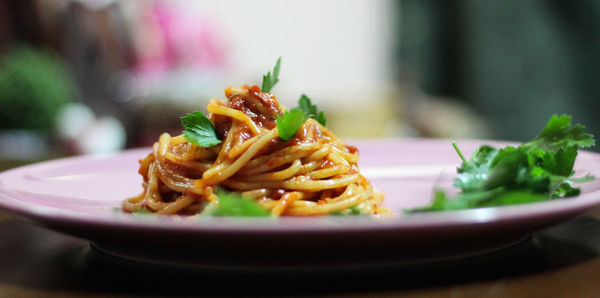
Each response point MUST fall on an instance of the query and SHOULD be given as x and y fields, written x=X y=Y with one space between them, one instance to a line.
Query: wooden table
x=562 y=261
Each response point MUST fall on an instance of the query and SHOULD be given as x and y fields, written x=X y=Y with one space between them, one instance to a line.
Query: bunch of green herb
x=538 y=170
x=34 y=85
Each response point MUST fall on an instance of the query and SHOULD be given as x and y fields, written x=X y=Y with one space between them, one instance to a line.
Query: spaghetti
x=314 y=173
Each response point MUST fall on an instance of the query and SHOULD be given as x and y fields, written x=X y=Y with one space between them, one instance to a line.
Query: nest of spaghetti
x=314 y=173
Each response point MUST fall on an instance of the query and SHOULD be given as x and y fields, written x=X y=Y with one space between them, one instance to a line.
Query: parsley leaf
x=289 y=123
x=540 y=169
x=269 y=80
x=199 y=130
x=472 y=174
x=292 y=120
x=232 y=204
x=354 y=210
x=310 y=109
x=559 y=133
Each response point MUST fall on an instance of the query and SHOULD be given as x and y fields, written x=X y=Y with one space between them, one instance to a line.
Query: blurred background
x=97 y=76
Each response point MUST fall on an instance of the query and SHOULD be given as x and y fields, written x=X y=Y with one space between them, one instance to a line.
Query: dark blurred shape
x=19 y=22
x=515 y=62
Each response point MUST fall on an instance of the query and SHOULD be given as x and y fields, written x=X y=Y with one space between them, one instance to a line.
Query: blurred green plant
x=34 y=85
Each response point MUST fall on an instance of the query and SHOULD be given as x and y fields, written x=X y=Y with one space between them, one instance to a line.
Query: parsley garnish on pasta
x=199 y=130
x=270 y=79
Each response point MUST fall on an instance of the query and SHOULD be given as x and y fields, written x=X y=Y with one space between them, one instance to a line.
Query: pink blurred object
x=169 y=38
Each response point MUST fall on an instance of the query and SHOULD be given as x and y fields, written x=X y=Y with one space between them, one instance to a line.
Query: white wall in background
x=332 y=50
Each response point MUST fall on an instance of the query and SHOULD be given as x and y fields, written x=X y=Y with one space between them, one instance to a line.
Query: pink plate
x=81 y=196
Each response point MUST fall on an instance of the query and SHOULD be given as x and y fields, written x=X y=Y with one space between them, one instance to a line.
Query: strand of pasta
x=350 y=157
x=214 y=178
x=279 y=158
x=173 y=180
x=153 y=197
x=296 y=183
x=329 y=207
x=237 y=150
x=134 y=203
x=275 y=176
x=226 y=145
x=285 y=201
x=311 y=166
x=319 y=154
x=235 y=114
x=328 y=172
x=173 y=207
x=301 y=207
